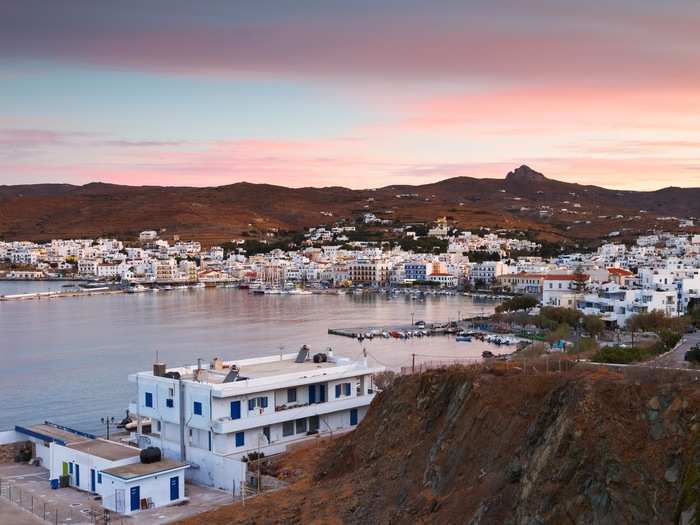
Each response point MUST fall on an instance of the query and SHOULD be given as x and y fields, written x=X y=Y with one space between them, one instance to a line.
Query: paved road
x=675 y=359
x=12 y=515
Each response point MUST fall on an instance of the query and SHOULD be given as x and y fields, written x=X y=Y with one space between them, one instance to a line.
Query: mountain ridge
x=525 y=199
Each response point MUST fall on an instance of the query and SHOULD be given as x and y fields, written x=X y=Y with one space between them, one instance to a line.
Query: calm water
x=67 y=360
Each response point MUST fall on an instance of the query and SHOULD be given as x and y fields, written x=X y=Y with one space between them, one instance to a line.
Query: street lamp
x=107 y=421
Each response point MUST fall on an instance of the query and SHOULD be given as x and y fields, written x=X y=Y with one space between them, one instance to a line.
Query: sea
x=67 y=360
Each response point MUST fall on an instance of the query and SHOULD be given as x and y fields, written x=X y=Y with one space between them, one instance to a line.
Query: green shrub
x=620 y=354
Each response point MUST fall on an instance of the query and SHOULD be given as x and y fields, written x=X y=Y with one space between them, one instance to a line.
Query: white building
x=214 y=416
x=112 y=470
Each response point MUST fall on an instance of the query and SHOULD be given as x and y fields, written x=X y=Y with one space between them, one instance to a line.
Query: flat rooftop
x=257 y=368
x=137 y=470
x=105 y=449
x=58 y=434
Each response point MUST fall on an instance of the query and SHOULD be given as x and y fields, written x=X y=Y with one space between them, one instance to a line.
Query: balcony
x=227 y=425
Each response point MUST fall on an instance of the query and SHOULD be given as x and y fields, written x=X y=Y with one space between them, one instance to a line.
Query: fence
x=544 y=365
x=51 y=512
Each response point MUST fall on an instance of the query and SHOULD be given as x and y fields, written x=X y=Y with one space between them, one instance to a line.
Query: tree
x=580 y=281
x=522 y=302
x=593 y=325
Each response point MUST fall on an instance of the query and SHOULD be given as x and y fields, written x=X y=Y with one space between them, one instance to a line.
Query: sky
x=349 y=93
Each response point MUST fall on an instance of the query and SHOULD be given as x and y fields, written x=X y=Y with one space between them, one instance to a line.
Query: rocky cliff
x=456 y=446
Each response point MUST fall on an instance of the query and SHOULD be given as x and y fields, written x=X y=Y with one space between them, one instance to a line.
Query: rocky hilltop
x=524 y=200
x=457 y=446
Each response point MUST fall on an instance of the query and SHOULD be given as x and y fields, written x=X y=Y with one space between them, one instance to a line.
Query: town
x=658 y=272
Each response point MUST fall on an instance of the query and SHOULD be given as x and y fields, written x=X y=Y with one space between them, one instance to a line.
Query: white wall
x=86 y=462
x=156 y=487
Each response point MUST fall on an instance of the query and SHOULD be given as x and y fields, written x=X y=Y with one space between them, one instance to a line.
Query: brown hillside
x=456 y=446
x=46 y=211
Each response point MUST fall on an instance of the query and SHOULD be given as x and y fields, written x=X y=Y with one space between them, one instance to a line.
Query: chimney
x=159 y=369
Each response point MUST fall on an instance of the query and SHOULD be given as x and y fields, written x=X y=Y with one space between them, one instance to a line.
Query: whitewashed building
x=214 y=416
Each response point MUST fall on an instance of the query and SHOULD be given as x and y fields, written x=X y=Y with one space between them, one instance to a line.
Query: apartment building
x=213 y=416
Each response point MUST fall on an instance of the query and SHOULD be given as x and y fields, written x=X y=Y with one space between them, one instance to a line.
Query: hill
x=524 y=200
x=460 y=446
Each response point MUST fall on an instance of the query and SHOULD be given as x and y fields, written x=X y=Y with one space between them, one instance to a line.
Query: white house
x=112 y=470
x=214 y=416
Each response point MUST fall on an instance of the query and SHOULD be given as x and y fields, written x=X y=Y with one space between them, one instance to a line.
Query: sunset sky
x=355 y=93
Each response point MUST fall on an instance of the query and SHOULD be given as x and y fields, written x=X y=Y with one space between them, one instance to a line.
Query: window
x=314 y=424
x=169 y=403
x=240 y=439
x=235 y=410
x=288 y=428
x=251 y=404
x=337 y=391
x=158 y=425
x=197 y=408
x=291 y=395
x=99 y=477
x=346 y=387
x=262 y=402
x=342 y=389
x=149 y=400
x=301 y=426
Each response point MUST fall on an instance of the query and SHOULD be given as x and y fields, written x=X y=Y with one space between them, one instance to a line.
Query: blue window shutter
x=149 y=399
x=99 y=477
x=347 y=389
x=198 y=408
x=70 y=468
x=235 y=410
x=263 y=402
x=251 y=404
x=169 y=403
x=312 y=394
x=240 y=439
x=337 y=390
x=322 y=393
x=353 y=416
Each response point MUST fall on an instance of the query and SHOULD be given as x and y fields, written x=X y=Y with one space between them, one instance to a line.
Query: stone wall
x=10 y=450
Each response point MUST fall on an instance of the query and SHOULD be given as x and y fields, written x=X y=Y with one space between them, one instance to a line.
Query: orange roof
x=619 y=271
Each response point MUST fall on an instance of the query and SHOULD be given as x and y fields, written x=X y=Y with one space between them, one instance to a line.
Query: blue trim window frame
x=197 y=408
x=240 y=439
x=148 y=400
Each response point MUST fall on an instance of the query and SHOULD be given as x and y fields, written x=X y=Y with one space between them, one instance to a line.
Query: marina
x=84 y=347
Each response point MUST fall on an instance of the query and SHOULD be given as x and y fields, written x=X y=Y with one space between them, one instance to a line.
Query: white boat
x=139 y=288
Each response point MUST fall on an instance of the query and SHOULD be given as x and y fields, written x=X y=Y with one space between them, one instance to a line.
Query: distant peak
x=525 y=174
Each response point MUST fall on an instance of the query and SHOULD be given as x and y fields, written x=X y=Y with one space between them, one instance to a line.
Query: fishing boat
x=463 y=338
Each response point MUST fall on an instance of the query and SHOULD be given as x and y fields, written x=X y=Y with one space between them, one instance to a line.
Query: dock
x=56 y=295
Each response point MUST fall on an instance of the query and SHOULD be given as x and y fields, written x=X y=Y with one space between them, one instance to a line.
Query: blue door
x=174 y=488
x=322 y=393
x=353 y=416
x=312 y=394
x=135 y=497
x=92 y=480
x=235 y=410
x=77 y=475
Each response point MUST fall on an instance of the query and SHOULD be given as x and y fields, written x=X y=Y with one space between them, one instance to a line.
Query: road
x=675 y=358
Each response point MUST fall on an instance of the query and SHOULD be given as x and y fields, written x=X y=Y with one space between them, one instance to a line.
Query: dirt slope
x=458 y=447
x=46 y=211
